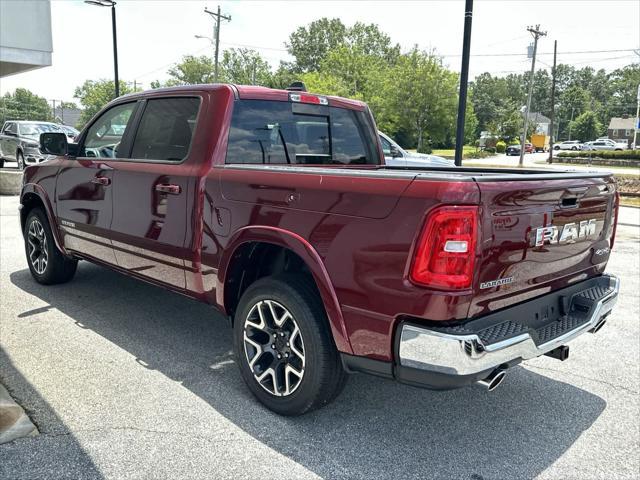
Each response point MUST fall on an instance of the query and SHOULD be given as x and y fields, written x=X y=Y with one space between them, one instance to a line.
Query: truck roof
x=249 y=92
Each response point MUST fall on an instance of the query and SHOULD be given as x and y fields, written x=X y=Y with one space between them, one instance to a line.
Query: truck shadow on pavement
x=375 y=429
x=53 y=436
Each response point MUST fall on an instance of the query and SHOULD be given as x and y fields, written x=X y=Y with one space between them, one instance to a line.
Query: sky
x=153 y=35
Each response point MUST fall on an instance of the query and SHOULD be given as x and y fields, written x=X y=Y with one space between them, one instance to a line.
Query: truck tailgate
x=537 y=237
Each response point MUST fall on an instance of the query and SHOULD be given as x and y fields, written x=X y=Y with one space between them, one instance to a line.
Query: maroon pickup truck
x=276 y=207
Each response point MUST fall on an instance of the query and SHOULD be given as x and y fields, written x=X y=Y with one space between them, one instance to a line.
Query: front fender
x=38 y=191
x=308 y=254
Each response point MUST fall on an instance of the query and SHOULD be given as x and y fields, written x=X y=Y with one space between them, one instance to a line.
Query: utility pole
x=537 y=33
x=464 y=80
x=217 y=16
x=553 y=100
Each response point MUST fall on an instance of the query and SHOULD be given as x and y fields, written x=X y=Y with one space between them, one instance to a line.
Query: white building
x=25 y=36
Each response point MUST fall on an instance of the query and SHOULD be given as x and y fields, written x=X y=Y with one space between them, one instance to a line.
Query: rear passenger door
x=151 y=188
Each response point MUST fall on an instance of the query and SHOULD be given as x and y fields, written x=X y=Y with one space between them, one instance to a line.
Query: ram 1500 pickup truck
x=276 y=207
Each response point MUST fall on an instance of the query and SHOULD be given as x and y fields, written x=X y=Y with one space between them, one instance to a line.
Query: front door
x=151 y=217
x=84 y=189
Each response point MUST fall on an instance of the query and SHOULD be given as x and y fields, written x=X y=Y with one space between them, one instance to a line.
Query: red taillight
x=446 y=251
x=616 y=209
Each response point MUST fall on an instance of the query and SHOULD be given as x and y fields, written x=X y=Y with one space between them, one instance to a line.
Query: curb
x=14 y=423
x=10 y=182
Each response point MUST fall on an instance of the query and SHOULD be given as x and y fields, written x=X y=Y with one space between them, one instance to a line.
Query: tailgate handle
x=569 y=202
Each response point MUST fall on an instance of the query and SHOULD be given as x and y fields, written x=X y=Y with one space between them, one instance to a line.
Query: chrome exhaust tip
x=598 y=326
x=494 y=379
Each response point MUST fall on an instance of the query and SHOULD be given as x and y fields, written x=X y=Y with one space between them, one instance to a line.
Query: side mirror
x=395 y=152
x=54 y=143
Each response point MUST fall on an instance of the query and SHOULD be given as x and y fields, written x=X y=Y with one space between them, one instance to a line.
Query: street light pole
x=464 y=80
x=637 y=125
x=112 y=4
x=115 y=49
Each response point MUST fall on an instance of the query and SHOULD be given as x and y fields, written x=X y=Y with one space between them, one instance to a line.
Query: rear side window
x=270 y=132
x=166 y=129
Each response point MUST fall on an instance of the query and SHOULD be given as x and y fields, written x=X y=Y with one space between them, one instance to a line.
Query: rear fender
x=308 y=254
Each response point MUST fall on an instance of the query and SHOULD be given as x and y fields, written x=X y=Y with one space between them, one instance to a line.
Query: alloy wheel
x=274 y=348
x=38 y=252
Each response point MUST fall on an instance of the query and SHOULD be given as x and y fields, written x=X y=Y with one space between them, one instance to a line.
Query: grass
x=451 y=152
x=630 y=201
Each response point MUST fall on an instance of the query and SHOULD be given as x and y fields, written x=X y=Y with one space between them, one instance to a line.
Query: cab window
x=104 y=136
x=166 y=129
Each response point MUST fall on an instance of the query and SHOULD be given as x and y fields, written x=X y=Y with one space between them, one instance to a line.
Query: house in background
x=621 y=129
x=25 y=36
x=67 y=116
x=540 y=121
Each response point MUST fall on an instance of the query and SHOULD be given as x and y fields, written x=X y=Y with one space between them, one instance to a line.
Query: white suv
x=568 y=145
x=604 y=144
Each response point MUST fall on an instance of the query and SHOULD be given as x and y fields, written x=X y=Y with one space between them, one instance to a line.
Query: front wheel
x=283 y=345
x=20 y=160
x=47 y=264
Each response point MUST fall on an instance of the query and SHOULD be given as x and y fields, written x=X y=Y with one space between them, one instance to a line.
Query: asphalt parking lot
x=125 y=380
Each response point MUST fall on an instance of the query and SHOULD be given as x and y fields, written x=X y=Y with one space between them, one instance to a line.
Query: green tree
x=93 y=95
x=22 y=104
x=191 y=71
x=245 y=67
x=586 y=127
x=423 y=95
x=309 y=45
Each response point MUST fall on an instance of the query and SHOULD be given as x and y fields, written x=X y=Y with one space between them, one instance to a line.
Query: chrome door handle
x=167 y=188
x=106 y=181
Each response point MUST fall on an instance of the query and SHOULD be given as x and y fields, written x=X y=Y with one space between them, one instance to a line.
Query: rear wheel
x=283 y=345
x=47 y=264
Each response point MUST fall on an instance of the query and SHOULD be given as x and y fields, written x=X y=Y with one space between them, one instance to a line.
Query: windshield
x=32 y=129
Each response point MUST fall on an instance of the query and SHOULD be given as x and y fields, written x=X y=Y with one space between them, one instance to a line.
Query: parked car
x=397 y=156
x=19 y=142
x=276 y=207
x=568 y=145
x=515 y=149
x=70 y=132
x=605 y=144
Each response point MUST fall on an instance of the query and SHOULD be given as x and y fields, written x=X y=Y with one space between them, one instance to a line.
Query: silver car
x=20 y=142
x=396 y=156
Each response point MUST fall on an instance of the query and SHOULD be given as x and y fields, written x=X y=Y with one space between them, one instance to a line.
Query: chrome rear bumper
x=444 y=352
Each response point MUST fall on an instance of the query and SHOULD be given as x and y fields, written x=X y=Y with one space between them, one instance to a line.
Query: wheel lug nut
x=273 y=345
x=287 y=344
x=279 y=356
x=286 y=355
x=281 y=334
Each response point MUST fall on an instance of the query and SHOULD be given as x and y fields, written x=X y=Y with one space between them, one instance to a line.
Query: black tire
x=1 y=162
x=556 y=148
x=574 y=148
x=20 y=160
x=57 y=268
x=323 y=376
